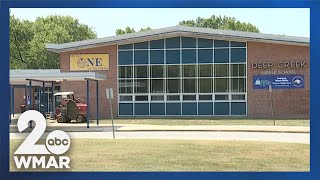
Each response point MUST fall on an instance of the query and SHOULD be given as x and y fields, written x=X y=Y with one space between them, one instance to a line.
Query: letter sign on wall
x=89 y=62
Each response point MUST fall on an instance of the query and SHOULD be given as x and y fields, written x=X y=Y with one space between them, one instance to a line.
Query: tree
x=219 y=22
x=214 y=22
x=128 y=30
x=28 y=39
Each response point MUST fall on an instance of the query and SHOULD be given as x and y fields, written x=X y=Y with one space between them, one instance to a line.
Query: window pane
x=189 y=85
x=242 y=70
x=141 y=57
x=173 y=71
x=221 y=97
x=156 y=71
x=157 y=44
x=141 y=98
x=141 y=86
x=173 y=56
x=189 y=97
x=221 y=43
x=205 y=55
x=205 y=70
x=125 y=98
x=238 y=97
x=141 y=45
x=238 y=85
x=205 y=97
x=157 y=97
x=221 y=85
x=125 y=71
x=173 y=85
x=238 y=70
x=205 y=43
x=205 y=85
x=221 y=70
x=141 y=71
x=189 y=56
x=126 y=46
x=173 y=42
x=156 y=57
x=238 y=44
x=157 y=85
x=238 y=55
x=125 y=57
x=173 y=98
x=125 y=86
x=221 y=55
x=189 y=70
x=188 y=42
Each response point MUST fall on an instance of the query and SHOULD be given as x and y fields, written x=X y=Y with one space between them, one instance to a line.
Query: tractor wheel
x=60 y=119
x=80 y=119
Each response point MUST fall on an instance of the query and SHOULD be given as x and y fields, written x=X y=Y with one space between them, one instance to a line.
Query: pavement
x=303 y=138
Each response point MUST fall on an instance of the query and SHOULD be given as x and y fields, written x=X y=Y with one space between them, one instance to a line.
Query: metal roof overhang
x=51 y=75
x=179 y=31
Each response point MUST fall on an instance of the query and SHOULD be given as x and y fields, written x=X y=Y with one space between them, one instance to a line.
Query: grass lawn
x=184 y=155
x=169 y=122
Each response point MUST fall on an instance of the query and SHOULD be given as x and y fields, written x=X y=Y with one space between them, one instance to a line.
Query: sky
x=105 y=21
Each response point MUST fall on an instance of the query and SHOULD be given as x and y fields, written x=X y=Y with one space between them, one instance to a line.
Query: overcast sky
x=105 y=21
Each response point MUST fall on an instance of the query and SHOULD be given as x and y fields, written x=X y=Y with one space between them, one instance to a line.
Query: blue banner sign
x=278 y=81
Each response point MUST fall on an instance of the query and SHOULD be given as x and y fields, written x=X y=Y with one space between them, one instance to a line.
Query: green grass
x=262 y=122
x=184 y=155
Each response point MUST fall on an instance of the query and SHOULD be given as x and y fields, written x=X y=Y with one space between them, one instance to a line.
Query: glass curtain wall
x=182 y=76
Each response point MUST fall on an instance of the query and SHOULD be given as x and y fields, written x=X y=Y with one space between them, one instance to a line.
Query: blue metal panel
x=189 y=108
x=221 y=108
x=125 y=57
x=221 y=43
x=141 y=45
x=238 y=55
x=157 y=109
x=173 y=42
x=189 y=56
x=141 y=57
x=173 y=56
x=157 y=44
x=205 y=108
x=205 y=56
x=238 y=108
x=156 y=57
x=188 y=42
x=126 y=46
x=221 y=55
x=141 y=109
x=173 y=109
x=205 y=43
x=125 y=109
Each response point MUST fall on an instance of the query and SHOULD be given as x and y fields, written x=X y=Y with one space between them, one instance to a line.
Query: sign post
x=109 y=93
x=270 y=92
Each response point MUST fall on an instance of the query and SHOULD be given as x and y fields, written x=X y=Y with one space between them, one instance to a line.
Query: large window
x=182 y=76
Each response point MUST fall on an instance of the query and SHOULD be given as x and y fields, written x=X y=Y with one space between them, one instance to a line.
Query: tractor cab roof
x=63 y=93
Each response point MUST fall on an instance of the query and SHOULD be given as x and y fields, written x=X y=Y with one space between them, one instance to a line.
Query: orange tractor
x=68 y=108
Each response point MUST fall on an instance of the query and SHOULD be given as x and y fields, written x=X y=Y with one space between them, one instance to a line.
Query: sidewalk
x=75 y=127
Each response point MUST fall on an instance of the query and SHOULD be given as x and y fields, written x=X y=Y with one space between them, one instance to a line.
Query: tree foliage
x=214 y=22
x=128 y=30
x=219 y=22
x=28 y=39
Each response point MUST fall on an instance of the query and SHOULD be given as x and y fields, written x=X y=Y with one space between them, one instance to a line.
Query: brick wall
x=79 y=87
x=288 y=103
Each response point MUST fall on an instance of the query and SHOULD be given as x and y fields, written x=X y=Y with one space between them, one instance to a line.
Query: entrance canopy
x=51 y=75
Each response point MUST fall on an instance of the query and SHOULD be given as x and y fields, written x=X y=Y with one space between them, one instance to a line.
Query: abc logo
x=58 y=142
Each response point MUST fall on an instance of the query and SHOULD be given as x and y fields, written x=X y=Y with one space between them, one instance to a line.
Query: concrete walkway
x=303 y=138
x=76 y=127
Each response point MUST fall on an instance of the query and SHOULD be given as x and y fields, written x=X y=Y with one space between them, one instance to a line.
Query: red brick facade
x=79 y=88
x=288 y=103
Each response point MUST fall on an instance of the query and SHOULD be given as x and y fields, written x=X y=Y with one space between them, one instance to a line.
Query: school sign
x=89 y=62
